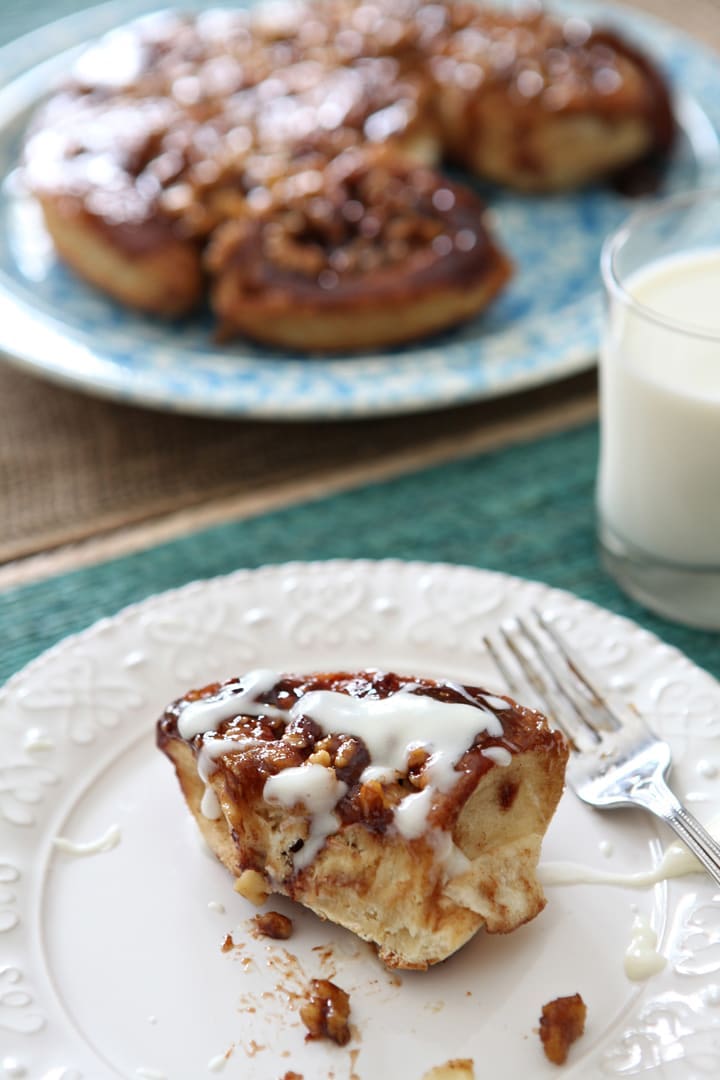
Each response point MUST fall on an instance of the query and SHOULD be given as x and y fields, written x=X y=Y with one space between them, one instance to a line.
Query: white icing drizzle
x=109 y=840
x=37 y=739
x=641 y=956
x=206 y=714
x=215 y=905
x=411 y=813
x=677 y=861
x=606 y=848
x=706 y=768
x=500 y=755
x=377 y=772
x=218 y=1063
x=209 y=804
x=391 y=729
x=318 y=790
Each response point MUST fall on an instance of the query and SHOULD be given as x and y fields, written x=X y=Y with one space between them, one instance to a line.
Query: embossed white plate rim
x=380 y=586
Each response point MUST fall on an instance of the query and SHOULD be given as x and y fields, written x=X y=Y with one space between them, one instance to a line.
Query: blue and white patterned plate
x=544 y=327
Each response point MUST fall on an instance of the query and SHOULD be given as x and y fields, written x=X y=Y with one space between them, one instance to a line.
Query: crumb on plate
x=561 y=1023
x=273 y=925
x=456 y=1069
x=326 y=1013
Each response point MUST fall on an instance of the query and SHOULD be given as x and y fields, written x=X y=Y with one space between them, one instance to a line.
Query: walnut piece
x=561 y=1023
x=274 y=925
x=252 y=885
x=326 y=1014
x=457 y=1069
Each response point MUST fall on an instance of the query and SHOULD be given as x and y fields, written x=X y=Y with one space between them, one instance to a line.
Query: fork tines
x=529 y=653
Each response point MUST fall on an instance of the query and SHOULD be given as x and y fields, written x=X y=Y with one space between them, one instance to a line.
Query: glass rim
x=614 y=243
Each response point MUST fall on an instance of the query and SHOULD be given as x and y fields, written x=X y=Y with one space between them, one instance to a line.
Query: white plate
x=112 y=964
x=544 y=327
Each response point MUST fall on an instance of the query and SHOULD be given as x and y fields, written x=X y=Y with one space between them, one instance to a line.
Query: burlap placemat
x=71 y=466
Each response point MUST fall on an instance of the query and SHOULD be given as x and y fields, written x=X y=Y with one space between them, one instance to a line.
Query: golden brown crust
x=163 y=277
x=399 y=892
x=175 y=130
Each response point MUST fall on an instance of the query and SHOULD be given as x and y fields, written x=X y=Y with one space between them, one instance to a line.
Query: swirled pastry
x=408 y=810
x=177 y=138
x=364 y=254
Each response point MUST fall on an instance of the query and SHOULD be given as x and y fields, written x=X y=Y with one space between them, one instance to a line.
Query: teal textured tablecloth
x=525 y=510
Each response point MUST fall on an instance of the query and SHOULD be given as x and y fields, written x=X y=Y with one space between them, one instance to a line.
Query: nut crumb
x=457 y=1069
x=227 y=943
x=292 y=1076
x=252 y=885
x=561 y=1023
x=273 y=925
x=321 y=757
x=326 y=1014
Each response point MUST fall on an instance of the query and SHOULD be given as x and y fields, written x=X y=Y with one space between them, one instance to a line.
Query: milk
x=659 y=480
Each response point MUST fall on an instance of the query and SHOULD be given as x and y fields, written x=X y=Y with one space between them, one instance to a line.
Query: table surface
x=84 y=479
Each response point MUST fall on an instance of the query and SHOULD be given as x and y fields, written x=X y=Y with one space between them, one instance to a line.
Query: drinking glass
x=658 y=492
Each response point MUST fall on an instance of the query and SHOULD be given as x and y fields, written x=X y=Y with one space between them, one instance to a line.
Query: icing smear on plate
x=676 y=862
x=109 y=840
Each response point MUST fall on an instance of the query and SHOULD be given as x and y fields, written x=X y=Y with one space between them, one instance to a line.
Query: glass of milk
x=659 y=474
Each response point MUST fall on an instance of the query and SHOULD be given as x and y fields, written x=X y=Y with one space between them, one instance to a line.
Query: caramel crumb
x=561 y=1023
x=457 y=1069
x=252 y=885
x=292 y=1076
x=227 y=944
x=326 y=1014
x=274 y=925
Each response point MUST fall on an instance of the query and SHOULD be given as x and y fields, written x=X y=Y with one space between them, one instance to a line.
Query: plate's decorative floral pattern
x=92 y=697
x=544 y=327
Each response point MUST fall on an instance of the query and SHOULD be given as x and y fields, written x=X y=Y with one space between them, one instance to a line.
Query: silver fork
x=616 y=760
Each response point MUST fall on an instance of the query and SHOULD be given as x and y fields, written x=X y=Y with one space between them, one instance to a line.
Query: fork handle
x=661 y=801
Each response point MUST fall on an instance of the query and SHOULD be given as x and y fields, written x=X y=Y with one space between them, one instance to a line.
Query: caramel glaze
x=283 y=745
x=400 y=215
